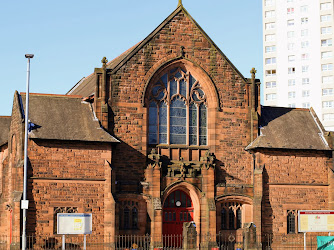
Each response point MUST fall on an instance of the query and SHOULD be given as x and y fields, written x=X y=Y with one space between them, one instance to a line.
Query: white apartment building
x=298 y=56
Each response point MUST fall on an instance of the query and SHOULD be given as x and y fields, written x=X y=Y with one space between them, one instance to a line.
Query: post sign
x=74 y=223
x=316 y=221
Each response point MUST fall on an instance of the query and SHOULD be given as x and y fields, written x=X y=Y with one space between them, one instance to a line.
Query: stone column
x=152 y=188
x=258 y=193
x=110 y=207
x=208 y=206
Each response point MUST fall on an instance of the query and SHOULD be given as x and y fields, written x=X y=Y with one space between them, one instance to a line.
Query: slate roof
x=87 y=85
x=4 y=129
x=289 y=128
x=64 y=117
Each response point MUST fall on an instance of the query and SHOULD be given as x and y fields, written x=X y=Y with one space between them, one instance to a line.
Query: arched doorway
x=178 y=208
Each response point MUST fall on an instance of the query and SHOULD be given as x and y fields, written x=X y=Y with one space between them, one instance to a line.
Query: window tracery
x=129 y=215
x=177 y=110
x=231 y=216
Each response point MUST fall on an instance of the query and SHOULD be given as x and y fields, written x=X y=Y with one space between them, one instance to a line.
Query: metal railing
x=223 y=241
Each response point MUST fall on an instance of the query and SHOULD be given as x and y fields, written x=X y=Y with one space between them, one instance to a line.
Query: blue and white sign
x=74 y=223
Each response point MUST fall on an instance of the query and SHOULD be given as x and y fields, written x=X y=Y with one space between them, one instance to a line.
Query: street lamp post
x=25 y=202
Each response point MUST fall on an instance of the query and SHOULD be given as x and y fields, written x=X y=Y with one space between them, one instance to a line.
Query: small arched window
x=291 y=222
x=177 y=110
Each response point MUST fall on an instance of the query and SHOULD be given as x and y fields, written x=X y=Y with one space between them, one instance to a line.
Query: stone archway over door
x=178 y=208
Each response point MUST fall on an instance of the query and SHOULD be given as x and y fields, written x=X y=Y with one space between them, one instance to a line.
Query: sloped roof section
x=289 y=128
x=4 y=129
x=63 y=117
x=86 y=86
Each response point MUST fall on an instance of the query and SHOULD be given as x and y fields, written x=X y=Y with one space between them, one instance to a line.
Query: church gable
x=179 y=36
x=125 y=88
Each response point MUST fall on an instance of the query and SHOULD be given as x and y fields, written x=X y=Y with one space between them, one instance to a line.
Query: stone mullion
x=198 y=123
x=168 y=109
x=158 y=123
x=187 y=115
x=188 y=107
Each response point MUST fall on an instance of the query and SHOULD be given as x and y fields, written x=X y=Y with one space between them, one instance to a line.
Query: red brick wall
x=293 y=180
x=67 y=174
x=12 y=174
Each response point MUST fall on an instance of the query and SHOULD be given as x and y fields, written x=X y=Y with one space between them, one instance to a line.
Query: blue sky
x=69 y=38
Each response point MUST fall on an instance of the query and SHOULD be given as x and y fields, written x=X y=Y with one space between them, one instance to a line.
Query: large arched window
x=177 y=110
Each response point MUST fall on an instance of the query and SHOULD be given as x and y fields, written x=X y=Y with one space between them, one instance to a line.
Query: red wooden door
x=178 y=208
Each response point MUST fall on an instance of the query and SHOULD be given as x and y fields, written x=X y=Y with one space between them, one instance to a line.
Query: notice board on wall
x=316 y=221
x=69 y=223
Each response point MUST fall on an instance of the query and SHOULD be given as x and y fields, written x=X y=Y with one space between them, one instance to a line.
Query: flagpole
x=25 y=202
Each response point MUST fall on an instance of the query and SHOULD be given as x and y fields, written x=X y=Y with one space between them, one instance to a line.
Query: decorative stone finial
x=180 y=3
x=253 y=72
x=104 y=62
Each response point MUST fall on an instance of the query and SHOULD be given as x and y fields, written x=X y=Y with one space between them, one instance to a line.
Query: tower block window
x=177 y=110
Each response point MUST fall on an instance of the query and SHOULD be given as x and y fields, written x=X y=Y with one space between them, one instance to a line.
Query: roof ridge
x=125 y=52
x=292 y=109
x=52 y=95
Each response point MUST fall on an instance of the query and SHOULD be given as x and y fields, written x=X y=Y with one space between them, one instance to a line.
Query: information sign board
x=74 y=223
x=316 y=221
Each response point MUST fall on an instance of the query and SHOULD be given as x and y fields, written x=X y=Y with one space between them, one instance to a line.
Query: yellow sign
x=78 y=224
x=303 y=223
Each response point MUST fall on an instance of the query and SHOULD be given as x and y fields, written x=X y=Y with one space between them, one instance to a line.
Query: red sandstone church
x=166 y=133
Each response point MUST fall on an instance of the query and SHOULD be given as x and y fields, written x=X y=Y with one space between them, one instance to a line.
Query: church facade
x=169 y=132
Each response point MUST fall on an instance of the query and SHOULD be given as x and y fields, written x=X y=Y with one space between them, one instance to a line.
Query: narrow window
x=126 y=218
x=291 y=222
x=223 y=225
x=134 y=218
x=231 y=219
x=238 y=218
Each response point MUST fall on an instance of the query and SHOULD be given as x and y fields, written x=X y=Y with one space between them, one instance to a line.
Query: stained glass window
x=202 y=124
x=177 y=99
x=163 y=123
x=193 y=124
x=153 y=122
x=178 y=119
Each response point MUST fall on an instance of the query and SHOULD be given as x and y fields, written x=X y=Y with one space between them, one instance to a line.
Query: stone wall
x=229 y=119
x=69 y=175
x=293 y=180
